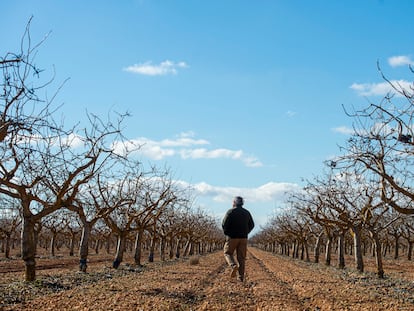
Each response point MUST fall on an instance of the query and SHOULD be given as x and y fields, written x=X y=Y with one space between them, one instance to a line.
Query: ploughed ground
x=272 y=282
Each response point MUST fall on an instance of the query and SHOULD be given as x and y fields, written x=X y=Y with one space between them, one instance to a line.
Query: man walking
x=237 y=224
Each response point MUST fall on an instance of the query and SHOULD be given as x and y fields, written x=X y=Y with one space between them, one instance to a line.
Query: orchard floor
x=272 y=282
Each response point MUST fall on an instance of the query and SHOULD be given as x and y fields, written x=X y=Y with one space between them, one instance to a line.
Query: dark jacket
x=237 y=223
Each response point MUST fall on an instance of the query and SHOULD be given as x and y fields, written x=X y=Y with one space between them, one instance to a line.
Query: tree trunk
x=152 y=249
x=410 y=250
x=358 y=249
x=385 y=248
x=72 y=244
x=306 y=247
x=328 y=251
x=153 y=242
x=187 y=248
x=84 y=246
x=138 y=247
x=52 y=244
x=6 y=245
x=162 y=248
x=108 y=244
x=191 y=249
x=341 y=251
x=295 y=252
x=378 y=255
x=397 y=246
x=316 y=250
x=172 y=247
x=28 y=244
x=120 y=249
x=178 y=248
x=97 y=246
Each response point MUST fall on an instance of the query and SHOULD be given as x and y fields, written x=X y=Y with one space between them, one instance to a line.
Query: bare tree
x=108 y=190
x=158 y=194
x=40 y=164
x=72 y=230
x=10 y=220
x=336 y=201
x=383 y=144
x=408 y=234
x=55 y=224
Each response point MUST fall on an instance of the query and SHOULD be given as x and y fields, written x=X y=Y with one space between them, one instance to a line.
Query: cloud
x=73 y=140
x=269 y=192
x=290 y=113
x=164 y=68
x=203 y=153
x=185 y=146
x=344 y=130
x=401 y=60
x=252 y=162
x=383 y=88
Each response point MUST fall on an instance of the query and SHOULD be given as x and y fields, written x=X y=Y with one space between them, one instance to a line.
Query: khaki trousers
x=240 y=246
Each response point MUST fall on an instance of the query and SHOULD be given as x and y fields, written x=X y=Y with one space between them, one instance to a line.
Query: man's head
x=238 y=201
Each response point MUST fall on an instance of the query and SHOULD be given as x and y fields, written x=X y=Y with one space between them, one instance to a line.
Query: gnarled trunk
x=138 y=247
x=358 y=249
x=72 y=244
x=328 y=251
x=163 y=242
x=396 y=246
x=410 y=249
x=341 y=250
x=84 y=246
x=178 y=248
x=378 y=253
x=120 y=249
x=28 y=245
x=316 y=250
x=53 y=244
x=172 y=246
x=152 y=246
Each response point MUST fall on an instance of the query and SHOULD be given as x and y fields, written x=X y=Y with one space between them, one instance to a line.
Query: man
x=237 y=224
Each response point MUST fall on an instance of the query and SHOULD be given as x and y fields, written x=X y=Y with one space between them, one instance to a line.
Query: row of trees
x=176 y=232
x=308 y=230
x=367 y=192
x=47 y=168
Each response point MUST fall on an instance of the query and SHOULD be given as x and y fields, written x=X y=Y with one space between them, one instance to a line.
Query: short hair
x=238 y=201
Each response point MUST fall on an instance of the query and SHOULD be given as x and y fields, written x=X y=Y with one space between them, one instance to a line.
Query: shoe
x=234 y=270
x=241 y=279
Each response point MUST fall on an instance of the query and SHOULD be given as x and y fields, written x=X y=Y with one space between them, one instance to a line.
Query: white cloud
x=73 y=140
x=252 y=162
x=146 y=147
x=269 y=192
x=344 y=130
x=183 y=142
x=202 y=153
x=261 y=201
x=184 y=146
x=401 y=60
x=381 y=89
x=164 y=68
x=290 y=113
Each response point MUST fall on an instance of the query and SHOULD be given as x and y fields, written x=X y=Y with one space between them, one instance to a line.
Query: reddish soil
x=272 y=283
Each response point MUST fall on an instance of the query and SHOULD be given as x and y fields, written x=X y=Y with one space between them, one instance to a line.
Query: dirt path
x=272 y=283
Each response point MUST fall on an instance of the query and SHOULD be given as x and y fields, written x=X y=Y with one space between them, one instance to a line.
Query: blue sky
x=236 y=97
